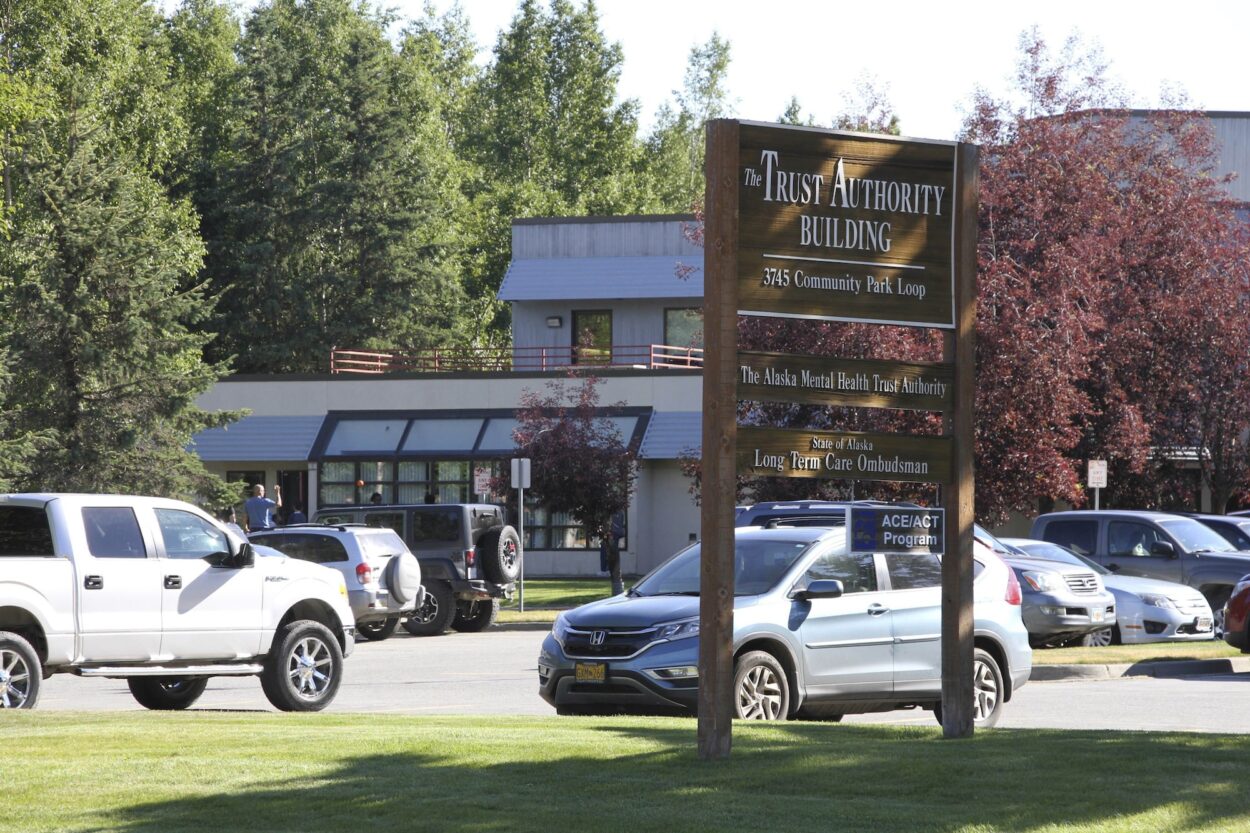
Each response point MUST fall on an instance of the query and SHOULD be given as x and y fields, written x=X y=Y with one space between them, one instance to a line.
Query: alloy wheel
x=985 y=690
x=309 y=668
x=760 y=695
x=15 y=680
x=1097 y=639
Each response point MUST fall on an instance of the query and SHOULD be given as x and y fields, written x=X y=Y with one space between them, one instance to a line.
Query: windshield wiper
x=678 y=593
x=633 y=591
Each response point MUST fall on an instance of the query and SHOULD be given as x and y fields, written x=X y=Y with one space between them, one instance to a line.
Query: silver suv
x=383 y=577
x=817 y=631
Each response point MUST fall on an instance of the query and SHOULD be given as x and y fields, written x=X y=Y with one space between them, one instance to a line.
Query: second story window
x=592 y=336
x=683 y=327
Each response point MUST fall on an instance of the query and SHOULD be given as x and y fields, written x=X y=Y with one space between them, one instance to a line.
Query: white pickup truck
x=158 y=593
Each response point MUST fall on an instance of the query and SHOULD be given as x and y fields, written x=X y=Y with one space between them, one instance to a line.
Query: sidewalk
x=1177 y=668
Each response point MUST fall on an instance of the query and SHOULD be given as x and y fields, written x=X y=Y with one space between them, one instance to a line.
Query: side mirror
x=245 y=557
x=1163 y=548
x=821 y=588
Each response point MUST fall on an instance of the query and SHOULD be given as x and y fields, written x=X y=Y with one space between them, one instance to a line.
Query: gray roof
x=603 y=278
x=259 y=438
x=672 y=434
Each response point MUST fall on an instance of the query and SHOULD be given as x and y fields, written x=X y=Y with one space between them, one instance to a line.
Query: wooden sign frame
x=723 y=278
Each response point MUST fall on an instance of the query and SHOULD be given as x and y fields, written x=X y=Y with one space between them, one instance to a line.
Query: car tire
x=988 y=690
x=761 y=691
x=378 y=629
x=402 y=578
x=1218 y=599
x=499 y=554
x=1101 y=638
x=434 y=615
x=20 y=672
x=304 y=668
x=166 y=693
x=475 y=616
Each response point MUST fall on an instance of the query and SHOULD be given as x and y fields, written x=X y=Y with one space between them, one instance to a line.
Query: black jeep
x=470 y=558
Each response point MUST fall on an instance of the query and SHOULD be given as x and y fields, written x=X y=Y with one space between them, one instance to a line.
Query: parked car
x=801 y=512
x=1061 y=602
x=157 y=593
x=1147 y=609
x=1152 y=545
x=1237 y=616
x=383 y=578
x=1232 y=528
x=817 y=632
x=470 y=558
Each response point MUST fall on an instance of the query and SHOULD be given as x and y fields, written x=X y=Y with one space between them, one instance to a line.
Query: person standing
x=260 y=509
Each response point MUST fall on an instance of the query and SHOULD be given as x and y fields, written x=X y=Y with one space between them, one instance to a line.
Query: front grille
x=1082 y=582
x=612 y=642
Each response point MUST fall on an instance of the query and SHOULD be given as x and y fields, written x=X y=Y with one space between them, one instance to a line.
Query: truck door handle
x=93 y=583
x=875 y=609
x=173 y=582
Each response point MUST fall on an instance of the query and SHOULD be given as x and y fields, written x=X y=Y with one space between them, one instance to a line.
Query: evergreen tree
x=342 y=199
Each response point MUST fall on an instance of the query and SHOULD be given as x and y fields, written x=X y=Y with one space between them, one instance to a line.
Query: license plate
x=591 y=672
x=1204 y=624
x=1096 y=615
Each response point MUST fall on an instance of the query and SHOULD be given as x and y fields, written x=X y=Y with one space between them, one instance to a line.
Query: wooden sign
x=856 y=383
x=846 y=227
x=854 y=455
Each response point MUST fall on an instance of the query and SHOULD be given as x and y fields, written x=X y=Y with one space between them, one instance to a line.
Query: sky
x=936 y=55
x=929 y=56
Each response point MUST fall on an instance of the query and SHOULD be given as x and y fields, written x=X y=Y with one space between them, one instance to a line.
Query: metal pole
x=520 y=531
x=1096 y=491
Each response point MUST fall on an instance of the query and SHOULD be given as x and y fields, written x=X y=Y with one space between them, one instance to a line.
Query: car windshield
x=759 y=563
x=1054 y=552
x=1195 y=536
x=983 y=535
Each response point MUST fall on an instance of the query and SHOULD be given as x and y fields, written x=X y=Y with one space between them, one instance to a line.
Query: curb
x=1177 y=668
x=522 y=626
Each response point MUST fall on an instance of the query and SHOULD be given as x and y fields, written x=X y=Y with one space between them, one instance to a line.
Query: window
x=592 y=336
x=436 y=526
x=1078 y=536
x=547 y=530
x=24 y=530
x=386 y=520
x=857 y=572
x=683 y=327
x=189 y=536
x=319 y=549
x=914 y=570
x=1125 y=538
x=113 y=532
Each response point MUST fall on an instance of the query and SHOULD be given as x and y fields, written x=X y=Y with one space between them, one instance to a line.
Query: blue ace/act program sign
x=893 y=529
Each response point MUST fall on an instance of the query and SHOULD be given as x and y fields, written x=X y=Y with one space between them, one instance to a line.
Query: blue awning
x=673 y=434
x=603 y=278
x=286 y=438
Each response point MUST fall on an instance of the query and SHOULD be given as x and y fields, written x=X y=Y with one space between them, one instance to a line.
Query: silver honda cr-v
x=818 y=631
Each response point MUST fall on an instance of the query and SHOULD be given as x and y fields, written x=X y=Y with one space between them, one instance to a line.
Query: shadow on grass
x=628 y=775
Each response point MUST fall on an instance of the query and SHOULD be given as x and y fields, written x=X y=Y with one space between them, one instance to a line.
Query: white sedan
x=1147 y=609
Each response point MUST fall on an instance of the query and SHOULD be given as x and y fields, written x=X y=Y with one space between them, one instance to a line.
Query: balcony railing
x=476 y=360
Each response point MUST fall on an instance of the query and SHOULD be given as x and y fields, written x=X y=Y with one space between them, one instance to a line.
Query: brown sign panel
x=853 y=455
x=856 y=383
x=845 y=226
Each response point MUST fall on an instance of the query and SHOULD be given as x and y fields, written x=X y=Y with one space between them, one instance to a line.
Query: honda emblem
x=597 y=637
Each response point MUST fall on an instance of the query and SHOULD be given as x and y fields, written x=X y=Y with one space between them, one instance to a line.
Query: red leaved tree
x=581 y=464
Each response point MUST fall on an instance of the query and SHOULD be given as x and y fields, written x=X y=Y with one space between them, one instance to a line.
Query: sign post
x=821 y=225
x=521 y=482
x=1097 y=477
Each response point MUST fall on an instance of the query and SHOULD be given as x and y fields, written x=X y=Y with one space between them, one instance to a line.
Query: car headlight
x=1041 y=582
x=559 y=629
x=1157 y=600
x=679 y=630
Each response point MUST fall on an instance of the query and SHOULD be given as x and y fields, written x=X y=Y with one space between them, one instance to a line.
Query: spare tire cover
x=403 y=577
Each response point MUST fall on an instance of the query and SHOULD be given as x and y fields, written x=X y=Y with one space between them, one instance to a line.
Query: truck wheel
x=436 y=612
x=20 y=674
x=378 y=629
x=499 y=553
x=475 y=616
x=1217 y=599
x=167 y=693
x=304 y=667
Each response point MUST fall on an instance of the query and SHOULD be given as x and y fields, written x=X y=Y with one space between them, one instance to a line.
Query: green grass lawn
x=148 y=772
x=562 y=592
x=1150 y=652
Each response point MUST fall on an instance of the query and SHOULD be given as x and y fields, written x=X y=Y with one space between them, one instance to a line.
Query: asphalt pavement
x=495 y=673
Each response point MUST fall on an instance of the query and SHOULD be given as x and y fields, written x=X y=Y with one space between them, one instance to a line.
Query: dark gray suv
x=470 y=558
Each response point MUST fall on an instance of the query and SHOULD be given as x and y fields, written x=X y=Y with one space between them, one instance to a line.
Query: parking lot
x=494 y=673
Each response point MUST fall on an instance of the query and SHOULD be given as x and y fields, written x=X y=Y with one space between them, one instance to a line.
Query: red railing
x=646 y=356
